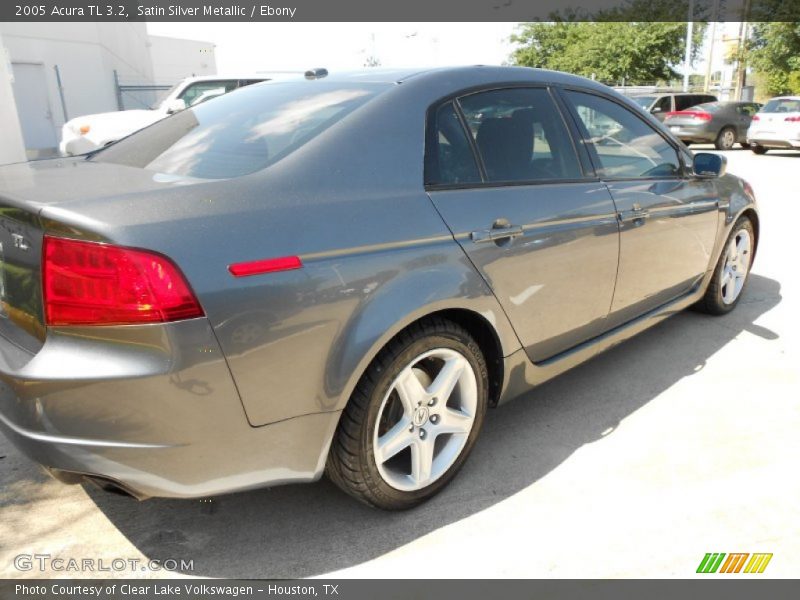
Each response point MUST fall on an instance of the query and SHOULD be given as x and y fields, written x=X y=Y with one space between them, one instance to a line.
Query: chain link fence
x=138 y=95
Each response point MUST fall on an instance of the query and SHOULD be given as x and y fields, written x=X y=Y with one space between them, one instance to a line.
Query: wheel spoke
x=729 y=289
x=727 y=275
x=454 y=421
x=410 y=391
x=395 y=440
x=422 y=461
x=732 y=250
x=446 y=380
x=742 y=246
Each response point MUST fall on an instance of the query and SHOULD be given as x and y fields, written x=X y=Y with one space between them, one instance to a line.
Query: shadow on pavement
x=304 y=530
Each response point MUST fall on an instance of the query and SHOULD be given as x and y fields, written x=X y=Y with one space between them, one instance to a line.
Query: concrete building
x=12 y=148
x=174 y=59
x=65 y=70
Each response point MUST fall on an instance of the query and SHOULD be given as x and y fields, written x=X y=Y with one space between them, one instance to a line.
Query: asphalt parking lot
x=679 y=442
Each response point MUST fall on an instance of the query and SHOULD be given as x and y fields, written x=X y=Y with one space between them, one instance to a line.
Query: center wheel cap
x=421 y=416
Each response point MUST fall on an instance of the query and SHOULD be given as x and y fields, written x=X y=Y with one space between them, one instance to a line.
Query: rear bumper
x=152 y=409
x=774 y=143
x=693 y=133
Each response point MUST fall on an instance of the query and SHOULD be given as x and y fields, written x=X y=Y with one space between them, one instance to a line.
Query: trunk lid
x=26 y=189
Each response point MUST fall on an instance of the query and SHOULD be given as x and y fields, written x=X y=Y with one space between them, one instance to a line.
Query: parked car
x=661 y=104
x=343 y=274
x=90 y=132
x=777 y=125
x=720 y=123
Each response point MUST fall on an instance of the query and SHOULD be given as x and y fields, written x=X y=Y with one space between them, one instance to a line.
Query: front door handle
x=637 y=213
x=498 y=233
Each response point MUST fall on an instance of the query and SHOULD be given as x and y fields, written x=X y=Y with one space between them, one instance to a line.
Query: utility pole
x=741 y=62
x=711 y=41
x=687 y=61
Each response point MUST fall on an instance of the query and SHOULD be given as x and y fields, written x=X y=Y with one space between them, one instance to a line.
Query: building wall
x=174 y=59
x=87 y=56
x=12 y=148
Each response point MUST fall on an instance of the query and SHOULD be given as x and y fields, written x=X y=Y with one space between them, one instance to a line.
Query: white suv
x=777 y=125
x=89 y=132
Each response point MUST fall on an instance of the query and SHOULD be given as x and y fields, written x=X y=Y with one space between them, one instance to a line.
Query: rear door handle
x=496 y=234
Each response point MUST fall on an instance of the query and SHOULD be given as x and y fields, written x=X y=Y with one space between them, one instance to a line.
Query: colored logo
x=716 y=562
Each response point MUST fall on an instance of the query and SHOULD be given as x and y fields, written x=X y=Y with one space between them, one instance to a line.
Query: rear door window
x=449 y=158
x=520 y=135
x=684 y=102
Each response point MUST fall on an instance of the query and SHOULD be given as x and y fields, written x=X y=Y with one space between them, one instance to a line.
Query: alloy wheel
x=425 y=419
x=737 y=264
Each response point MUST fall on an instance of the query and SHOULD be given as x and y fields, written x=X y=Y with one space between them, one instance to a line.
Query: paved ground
x=682 y=441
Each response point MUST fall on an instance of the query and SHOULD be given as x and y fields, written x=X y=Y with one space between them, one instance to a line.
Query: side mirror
x=655 y=109
x=175 y=105
x=709 y=165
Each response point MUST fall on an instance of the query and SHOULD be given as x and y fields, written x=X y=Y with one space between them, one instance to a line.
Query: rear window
x=781 y=105
x=241 y=132
x=709 y=107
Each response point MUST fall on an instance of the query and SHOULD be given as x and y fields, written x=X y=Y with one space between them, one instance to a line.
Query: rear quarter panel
x=352 y=205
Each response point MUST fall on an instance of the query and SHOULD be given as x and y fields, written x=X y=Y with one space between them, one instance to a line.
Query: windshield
x=782 y=105
x=163 y=95
x=644 y=101
x=239 y=133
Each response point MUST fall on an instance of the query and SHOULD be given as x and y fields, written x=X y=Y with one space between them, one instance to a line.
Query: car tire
x=725 y=139
x=392 y=448
x=732 y=271
x=758 y=149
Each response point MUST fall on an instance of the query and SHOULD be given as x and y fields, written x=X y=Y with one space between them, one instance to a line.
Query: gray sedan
x=341 y=274
x=720 y=123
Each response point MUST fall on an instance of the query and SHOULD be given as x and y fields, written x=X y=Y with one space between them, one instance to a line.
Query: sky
x=257 y=47
x=270 y=47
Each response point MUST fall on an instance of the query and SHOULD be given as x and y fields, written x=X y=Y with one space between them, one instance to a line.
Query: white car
x=777 y=125
x=89 y=132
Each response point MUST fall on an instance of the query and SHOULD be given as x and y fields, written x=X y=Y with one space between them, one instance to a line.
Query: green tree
x=637 y=52
x=774 y=53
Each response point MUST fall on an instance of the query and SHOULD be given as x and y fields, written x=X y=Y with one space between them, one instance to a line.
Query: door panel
x=556 y=280
x=543 y=235
x=666 y=253
x=668 y=220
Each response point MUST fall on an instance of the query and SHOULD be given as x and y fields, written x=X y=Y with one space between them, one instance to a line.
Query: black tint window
x=684 y=102
x=664 y=104
x=625 y=145
x=239 y=133
x=520 y=135
x=449 y=155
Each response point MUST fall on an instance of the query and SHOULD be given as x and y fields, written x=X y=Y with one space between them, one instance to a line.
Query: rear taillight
x=756 y=118
x=694 y=114
x=89 y=283
x=792 y=119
